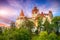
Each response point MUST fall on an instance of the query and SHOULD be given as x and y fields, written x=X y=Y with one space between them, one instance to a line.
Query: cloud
x=16 y=5
x=53 y=6
x=10 y=13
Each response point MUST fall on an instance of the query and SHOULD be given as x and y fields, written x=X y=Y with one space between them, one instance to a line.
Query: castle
x=35 y=14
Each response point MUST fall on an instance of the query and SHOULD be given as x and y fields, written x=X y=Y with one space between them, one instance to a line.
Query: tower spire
x=21 y=13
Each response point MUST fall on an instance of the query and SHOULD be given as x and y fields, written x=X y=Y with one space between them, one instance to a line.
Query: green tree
x=46 y=25
x=39 y=21
x=29 y=23
x=59 y=37
x=12 y=24
x=52 y=36
x=49 y=27
x=56 y=18
x=16 y=34
x=56 y=22
x=43 y=35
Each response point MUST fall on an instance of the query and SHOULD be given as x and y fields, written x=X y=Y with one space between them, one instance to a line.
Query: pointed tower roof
x=21 y=13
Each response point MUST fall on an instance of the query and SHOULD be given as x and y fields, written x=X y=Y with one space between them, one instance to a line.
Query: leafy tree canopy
x=55 y=19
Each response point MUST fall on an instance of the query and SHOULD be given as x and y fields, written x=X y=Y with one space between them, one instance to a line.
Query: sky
x=10 y=9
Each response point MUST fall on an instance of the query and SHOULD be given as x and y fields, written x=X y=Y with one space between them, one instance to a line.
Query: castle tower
x=20 y=19
x=35 y=12
x=34 y=15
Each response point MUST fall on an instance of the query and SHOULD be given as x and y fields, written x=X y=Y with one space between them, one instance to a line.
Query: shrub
x=42 y=36
x=58 y=37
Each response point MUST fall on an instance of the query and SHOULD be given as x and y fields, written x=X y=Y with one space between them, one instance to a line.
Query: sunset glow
x=3 y=12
